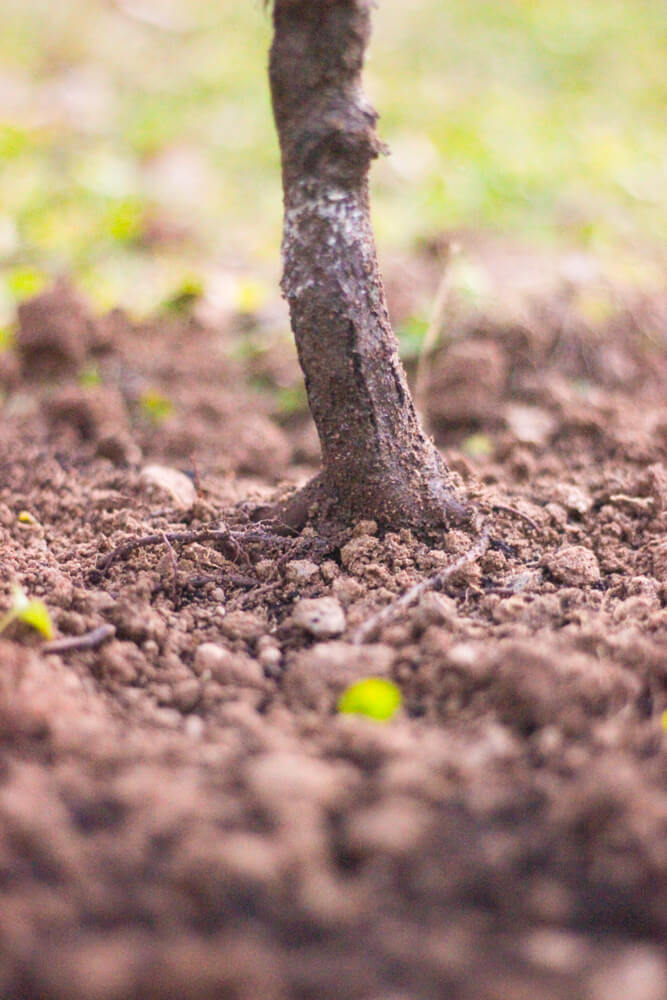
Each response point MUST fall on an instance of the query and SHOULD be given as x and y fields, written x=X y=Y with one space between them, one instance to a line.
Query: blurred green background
x=137 y=149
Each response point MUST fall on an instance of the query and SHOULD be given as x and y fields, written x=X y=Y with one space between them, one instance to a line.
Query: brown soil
x=182 y=812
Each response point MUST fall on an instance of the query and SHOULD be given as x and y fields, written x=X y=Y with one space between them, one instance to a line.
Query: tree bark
x=377 y=461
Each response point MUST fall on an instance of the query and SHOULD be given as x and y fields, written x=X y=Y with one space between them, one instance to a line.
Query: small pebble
x=243 y=625
x=194 y=727
x=175 y=484
x=322 y=617
x=574 y=565
x=301 y=571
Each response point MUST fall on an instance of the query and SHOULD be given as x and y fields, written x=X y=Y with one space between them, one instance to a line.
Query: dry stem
x=433 y=332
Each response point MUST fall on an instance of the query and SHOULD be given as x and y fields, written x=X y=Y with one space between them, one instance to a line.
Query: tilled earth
x=182 y=811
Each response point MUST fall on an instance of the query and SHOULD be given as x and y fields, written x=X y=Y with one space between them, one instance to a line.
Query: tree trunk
x=377 y=461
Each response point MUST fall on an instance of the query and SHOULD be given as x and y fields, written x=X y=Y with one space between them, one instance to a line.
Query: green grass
x=137 y=155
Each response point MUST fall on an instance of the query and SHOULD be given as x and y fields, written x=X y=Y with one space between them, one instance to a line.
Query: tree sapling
x=377 y=461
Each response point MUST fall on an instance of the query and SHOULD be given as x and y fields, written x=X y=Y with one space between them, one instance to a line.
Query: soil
x=183 y=813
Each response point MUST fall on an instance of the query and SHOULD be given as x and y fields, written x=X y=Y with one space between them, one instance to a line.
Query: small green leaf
x=36 y=615
x=155 y=407
x=250 y=296
x=411 y=335
x=374 y=697
x=31 y=611
x=13 y=141
x=89 y=375
x=185 y=295
x=24 y=282
x=477 y=446
x=125 y=221
x=292 y=399
x=6 y=338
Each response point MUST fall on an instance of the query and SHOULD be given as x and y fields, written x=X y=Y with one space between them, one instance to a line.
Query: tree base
x=437 y=508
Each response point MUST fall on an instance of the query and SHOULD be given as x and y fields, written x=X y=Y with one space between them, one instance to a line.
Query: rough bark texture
x=377 y=461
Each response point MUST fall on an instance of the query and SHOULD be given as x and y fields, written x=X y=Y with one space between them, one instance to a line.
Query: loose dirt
x=182 y=811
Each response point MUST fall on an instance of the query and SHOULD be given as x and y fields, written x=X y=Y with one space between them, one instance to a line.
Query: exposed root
x=233 y=540
x=513 y=512
x=411 y=596
x=75 y=643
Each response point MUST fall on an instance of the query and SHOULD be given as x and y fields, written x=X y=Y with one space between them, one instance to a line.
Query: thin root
x=513 y=512
x=232 y=539
x=90 y=640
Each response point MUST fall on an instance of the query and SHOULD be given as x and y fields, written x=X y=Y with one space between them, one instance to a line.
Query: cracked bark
x=377 y=461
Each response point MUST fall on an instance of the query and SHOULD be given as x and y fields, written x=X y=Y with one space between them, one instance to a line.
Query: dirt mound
x=182 y=812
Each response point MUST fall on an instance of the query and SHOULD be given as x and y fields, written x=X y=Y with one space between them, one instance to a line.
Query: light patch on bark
x=342 y=215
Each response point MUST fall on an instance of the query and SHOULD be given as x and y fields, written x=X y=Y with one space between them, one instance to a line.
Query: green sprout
x=89 y=375
x=251 y=296
x=125 y=221
x=6 y=338
x=478 y=446
x=373 y=697
x=291 y=399
x=411 y=335
x=184 y=296
x=30 y=611
x=155 y=407
x=24 y=282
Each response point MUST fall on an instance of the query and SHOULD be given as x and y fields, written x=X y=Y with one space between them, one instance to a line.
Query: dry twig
x=174 y=565
x=641 y=503
x=434 y=327
x=195 y=467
